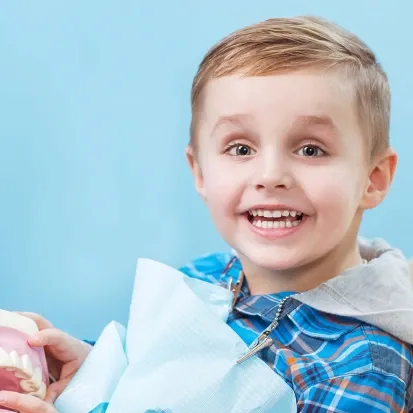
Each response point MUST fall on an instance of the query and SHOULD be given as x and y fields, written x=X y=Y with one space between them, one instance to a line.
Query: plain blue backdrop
x=94 y=118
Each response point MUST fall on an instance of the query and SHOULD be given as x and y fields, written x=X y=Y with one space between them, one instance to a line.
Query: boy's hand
x=64 y=354
x=24 y=403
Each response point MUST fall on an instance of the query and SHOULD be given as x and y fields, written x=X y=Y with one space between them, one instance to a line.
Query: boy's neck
x=263 y=281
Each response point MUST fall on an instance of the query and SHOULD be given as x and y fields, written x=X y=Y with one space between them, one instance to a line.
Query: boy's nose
x=271 y=182
x=273 y=175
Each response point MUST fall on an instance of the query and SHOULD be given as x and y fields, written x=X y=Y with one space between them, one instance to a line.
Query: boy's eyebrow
x=309 y=120
x=237 y=120
x=300 y=121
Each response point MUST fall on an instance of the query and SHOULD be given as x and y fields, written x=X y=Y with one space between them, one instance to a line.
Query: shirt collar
x=308 y=320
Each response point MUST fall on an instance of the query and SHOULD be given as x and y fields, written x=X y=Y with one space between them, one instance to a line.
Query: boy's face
x=289 y=142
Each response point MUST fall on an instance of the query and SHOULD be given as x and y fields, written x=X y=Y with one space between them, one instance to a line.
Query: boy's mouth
x=274 y=218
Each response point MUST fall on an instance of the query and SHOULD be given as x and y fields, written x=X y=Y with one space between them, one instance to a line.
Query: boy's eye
x=311 y=151
x=239 y=150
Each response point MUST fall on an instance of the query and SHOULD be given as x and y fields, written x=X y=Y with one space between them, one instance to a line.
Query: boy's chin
x=272 y=259
x=277 y=266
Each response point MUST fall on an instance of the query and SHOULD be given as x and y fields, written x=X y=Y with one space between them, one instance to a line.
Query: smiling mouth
x=274 y=219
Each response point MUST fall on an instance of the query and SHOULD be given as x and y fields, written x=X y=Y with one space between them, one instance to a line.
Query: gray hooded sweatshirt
x=379 y=292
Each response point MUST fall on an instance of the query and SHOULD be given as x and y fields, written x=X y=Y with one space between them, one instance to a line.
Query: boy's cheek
x=222 y=194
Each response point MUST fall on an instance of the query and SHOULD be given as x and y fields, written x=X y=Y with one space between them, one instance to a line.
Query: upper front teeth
x=31 y=377
x=273 y=213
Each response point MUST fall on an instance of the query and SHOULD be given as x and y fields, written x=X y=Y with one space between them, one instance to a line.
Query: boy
x=289 y=146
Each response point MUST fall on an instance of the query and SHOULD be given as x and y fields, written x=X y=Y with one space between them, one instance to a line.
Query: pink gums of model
x=23 y=368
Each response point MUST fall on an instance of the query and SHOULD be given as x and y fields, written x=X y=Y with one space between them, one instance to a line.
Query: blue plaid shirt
x=333 y=363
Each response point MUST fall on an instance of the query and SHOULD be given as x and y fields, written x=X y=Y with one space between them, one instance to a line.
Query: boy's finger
x=47 y=337
x=41 y=322
x=55 y=390
x=59 y=344
x=24 y=403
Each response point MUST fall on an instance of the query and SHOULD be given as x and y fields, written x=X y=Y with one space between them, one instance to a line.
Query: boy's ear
x=380 y=178
x=196 y=171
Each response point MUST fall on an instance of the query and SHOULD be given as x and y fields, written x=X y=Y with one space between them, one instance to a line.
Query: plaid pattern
x=333 y=363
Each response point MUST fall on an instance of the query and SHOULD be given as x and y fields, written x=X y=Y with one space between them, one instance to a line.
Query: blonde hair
x=283 y=45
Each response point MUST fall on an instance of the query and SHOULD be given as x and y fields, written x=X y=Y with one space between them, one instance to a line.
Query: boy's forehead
x=302 y=98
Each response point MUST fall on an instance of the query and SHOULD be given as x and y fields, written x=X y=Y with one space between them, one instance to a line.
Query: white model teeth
x=15 y=359
x=35 y=385
x=40 y=392
x=27 y=365
x=32 y=381
x=37 y=377
x=32 y=384
x=267 y=213
x=5 y=360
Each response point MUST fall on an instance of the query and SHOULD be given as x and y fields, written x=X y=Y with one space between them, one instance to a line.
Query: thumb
x=58 y=345
x=46 y=337
x=56 y=340
x=55 y=390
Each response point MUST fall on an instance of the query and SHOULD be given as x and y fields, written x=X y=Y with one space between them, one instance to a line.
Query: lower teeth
x=275 y=224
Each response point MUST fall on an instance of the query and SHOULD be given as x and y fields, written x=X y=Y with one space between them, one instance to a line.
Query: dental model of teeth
x=23 y=368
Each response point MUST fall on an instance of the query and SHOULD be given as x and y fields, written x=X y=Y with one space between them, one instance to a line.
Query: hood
x=379 y=292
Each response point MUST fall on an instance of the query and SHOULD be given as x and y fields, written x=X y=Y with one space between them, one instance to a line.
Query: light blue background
x=94 y=116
